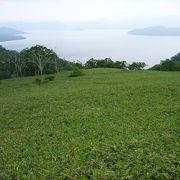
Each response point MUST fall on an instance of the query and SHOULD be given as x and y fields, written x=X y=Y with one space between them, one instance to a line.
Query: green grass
x=108 y=124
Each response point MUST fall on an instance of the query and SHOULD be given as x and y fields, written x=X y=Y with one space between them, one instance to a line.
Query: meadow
x=108 y=124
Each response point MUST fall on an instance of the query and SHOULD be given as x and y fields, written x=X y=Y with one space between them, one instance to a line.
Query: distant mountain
x=156 y=31
x=9 y=34
x=58 y=25
x=167 y=21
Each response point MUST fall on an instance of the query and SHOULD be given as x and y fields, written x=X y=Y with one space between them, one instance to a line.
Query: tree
x=92 y=63
x=156 y=67
x=7 y=67
x=40 y=56
x=176 y=57
x=19 y=63
x=137 y=66
x=34 y=61
x=78 y=64
x=108 y=63
x=168 y=65
x=120 y=64
x=57 y=64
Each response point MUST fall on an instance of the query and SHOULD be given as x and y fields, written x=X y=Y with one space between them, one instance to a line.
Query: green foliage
x=156 y=67
x=6 y=55
x=4 y=75
x=120 y=64
x=167 y=65
x=41 y=80
x=108 y=63
x=92 y=63
x=41 y=57
x=49 y=78
x=33 y=61
x=77 y=72
x=6 y=69
x=78 y=64
x=172 y=64
x=38 y=81
x=105 y=63
x=39 y=60
x=106 y=125
x=137 y=66
x=176 y=58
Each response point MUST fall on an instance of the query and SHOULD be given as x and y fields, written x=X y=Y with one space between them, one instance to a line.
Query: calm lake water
x=116 y=44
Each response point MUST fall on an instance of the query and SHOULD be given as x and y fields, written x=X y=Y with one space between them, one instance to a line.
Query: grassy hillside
x=109 y=124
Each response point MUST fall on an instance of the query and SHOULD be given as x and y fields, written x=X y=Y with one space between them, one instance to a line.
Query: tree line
x=39 y=60
x=108 y=63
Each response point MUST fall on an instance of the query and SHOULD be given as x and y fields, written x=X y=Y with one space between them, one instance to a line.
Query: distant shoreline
x=10 y=34
x=12 y=38
x=156 y=31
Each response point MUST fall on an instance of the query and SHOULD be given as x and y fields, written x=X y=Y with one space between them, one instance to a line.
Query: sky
x=86 y=10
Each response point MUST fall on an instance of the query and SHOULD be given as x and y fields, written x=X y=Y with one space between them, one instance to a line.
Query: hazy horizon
x=80 y=13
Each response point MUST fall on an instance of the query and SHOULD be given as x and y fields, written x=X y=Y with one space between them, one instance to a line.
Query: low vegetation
x=49 y=78
x=77 y=72
x=41 y=80
x=109 y=124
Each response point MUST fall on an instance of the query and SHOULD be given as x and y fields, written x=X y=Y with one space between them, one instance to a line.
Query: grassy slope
x=108 y=124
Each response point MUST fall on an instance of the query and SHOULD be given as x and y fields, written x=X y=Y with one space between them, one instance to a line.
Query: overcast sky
x=86 y=10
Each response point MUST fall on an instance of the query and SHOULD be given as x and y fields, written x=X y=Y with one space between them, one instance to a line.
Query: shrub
x=38 y=81
x=125 y=70
x=77 y=72
x=49 y=78
x=46 y=79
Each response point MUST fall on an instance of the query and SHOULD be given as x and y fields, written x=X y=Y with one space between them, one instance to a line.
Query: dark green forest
x=39 y=60
x=172 y=64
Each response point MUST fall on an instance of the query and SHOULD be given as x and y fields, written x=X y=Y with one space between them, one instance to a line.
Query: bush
x=125 y=70
x=49 y=78
x=38 y=81
x=46 y=79
x=77 y=72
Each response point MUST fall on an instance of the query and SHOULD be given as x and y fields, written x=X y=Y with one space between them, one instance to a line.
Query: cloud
x=85 y=10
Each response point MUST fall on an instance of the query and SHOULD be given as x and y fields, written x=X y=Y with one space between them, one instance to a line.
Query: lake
x=117 y=44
